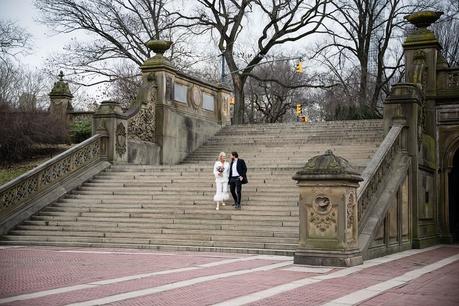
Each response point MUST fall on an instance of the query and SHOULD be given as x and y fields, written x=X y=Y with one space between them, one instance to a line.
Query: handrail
x=23 y=188
x=373 y=173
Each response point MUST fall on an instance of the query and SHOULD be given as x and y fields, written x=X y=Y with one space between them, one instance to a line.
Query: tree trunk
x=363 y=88
x=238 y=83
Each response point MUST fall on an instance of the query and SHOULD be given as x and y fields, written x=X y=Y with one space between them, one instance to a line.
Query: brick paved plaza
x=88 y=276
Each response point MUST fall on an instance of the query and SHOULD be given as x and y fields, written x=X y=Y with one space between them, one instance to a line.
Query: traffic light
x=298 y=109
x=299 y=67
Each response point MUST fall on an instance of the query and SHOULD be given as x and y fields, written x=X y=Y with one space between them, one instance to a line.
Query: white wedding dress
x=221 y=182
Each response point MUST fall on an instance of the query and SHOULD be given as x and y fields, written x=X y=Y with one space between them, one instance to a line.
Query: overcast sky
x=44 y=42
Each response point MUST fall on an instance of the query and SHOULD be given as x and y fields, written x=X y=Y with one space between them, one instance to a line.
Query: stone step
x=171 y=207
x=258 y=182
x=184 y=197
x=209 y=236
x=254 y=229
x=76 y=227
x=168 y=221
x=174 y=211
x=197 y=187
x=170 y=248
x=205 y=202
x=117 y=206
x=218 y=215
x=133 y=240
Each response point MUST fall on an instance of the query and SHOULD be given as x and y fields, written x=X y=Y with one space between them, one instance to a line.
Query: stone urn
x=159 y=47
x=423 y=19
x=422 y=36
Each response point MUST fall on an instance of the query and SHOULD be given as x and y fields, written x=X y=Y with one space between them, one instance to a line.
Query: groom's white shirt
x=234 y=169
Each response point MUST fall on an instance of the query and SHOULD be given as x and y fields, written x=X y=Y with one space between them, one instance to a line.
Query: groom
x=237 y=177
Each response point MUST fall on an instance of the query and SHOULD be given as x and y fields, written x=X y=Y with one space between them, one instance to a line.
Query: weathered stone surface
x=328 y=212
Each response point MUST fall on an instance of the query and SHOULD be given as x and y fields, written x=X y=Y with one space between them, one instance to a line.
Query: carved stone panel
x=120 y=134
x=142 y=125
x=405 y=209
x=453 y=80
x=322 y=218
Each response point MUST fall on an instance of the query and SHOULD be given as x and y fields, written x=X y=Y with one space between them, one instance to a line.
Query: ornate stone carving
x=142 y=125
x=26 y=188
x=120 y=133
x=195 y=97
x=322 y=222
x=321 y=216
x=453 y=79
x=350 y=210
x=322 y=205
x=169 y=89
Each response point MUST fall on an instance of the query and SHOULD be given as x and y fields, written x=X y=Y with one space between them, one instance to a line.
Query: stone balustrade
x=377 y=169
x=47 y=179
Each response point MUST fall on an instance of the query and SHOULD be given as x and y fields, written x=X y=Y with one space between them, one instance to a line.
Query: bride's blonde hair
x=221 y=154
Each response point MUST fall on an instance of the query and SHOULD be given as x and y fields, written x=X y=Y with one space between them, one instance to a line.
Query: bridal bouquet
x=220 y=169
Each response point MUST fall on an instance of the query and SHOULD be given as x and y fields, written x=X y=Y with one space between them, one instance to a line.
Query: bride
x=221 y=172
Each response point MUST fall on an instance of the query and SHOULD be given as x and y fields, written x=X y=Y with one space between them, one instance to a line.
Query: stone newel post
x=109 y=121
x=61 y=98
x=328 y=212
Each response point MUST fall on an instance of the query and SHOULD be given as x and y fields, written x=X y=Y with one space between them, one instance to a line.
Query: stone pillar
x=110 y=122
x=61 y=98
x=417 y=105
x=328 y=212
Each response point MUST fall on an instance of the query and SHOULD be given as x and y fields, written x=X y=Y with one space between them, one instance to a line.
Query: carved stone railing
x=42 y=179
x=376 y=171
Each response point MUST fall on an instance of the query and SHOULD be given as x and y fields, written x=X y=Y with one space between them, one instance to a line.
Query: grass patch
x=11 y=171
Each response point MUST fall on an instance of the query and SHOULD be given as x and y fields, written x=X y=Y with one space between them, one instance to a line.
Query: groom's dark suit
x=235 y=182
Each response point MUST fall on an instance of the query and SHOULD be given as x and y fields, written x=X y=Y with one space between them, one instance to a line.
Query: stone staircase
x=171 y=208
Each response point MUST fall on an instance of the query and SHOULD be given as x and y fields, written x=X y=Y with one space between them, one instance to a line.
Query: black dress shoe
x=238 y=207
x=234 y=204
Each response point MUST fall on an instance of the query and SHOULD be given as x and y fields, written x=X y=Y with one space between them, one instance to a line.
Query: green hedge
x=80 y=131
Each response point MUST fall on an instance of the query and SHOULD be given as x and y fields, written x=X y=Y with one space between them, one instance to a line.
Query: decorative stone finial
x=60 y=87
x=327 y=166
x=159 y=47
x=422 y=36
x=423 y=19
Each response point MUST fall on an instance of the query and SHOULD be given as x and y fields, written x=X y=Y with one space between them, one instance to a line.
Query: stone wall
x=185 y=111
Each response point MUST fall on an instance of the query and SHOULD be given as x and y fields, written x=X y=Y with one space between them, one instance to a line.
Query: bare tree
x=120 y=29
x=269 y=100
x=22 y=88
x=447 y=29
x=281 y=21
x=363 y=33
x=13 y=39
x=447 y=34
x=274 y=88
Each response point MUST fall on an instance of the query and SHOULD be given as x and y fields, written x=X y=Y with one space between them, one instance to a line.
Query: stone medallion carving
x=196 y=97
x=321 y=215
x=120 y=133
x=350 y=210
x=322 y=205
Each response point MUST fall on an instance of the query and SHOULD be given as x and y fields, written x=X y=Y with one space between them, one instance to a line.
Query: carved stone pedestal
x=328 y=212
